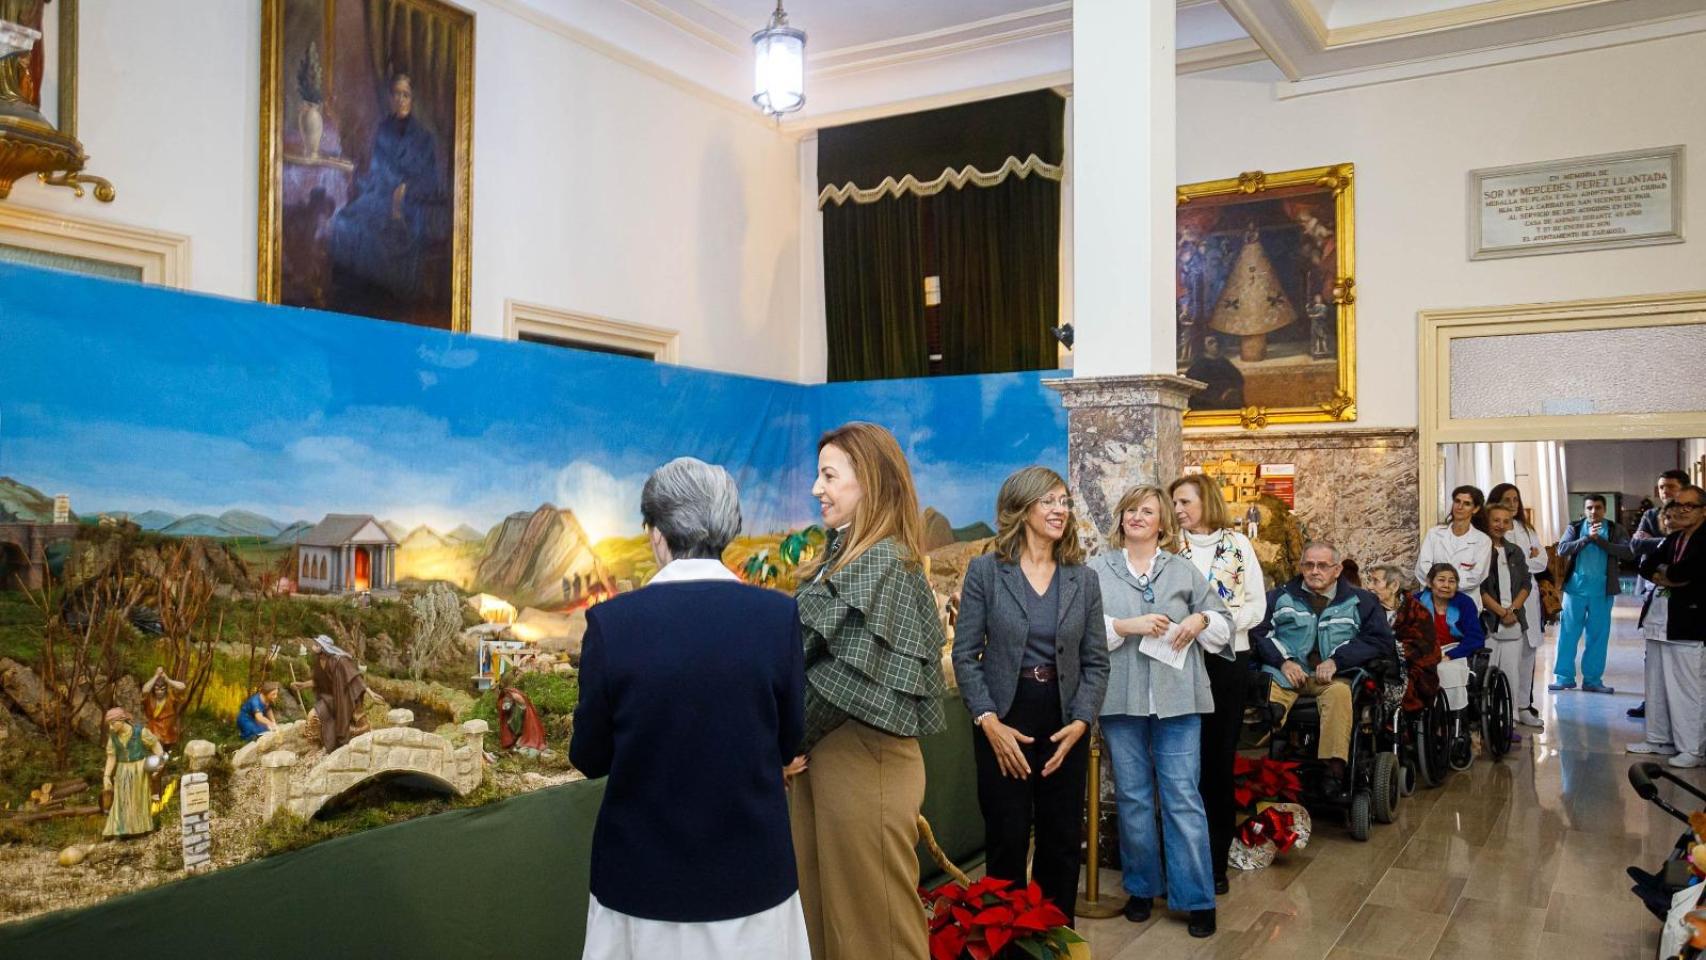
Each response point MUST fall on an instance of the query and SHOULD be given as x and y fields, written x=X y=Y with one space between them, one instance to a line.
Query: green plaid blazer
x=873 y=647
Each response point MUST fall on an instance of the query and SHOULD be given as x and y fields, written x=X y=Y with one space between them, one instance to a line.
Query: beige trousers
x=855 y=822
x=1333 y=700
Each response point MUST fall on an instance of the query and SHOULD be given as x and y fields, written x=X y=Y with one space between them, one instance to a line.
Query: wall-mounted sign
x=1585 y=203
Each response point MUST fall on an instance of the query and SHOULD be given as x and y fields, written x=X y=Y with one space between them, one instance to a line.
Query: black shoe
x=1222 y=886
x=1638 y=712
x=1202 y=923
x=1332 y=788
x=1137 y=909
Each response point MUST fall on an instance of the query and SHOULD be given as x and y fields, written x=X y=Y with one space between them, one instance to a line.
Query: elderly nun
x=692 y=696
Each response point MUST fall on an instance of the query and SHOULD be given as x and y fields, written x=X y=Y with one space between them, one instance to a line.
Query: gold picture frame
x=294 y=254
x=1284 y=211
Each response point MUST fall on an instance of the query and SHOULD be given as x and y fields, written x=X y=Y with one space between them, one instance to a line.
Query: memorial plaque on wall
x=1586 y=203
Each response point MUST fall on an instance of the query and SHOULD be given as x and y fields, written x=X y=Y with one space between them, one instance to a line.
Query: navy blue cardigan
x=692 y=700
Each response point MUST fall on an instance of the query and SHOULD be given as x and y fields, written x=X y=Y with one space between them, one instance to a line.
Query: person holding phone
x=1591 y=548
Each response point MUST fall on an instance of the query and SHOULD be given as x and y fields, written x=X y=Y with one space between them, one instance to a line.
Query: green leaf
x=1035 y=949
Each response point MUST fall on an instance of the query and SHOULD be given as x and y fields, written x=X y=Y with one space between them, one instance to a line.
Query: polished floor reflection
x=1518 y=859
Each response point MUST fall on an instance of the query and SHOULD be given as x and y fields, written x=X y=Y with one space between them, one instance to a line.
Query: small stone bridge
x=391 y=751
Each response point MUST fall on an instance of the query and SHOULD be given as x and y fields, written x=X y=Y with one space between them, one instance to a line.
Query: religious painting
x=1266 y=298
x=366 y=150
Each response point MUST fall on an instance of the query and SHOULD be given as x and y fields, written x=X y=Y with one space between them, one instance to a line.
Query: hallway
x=1512 y=860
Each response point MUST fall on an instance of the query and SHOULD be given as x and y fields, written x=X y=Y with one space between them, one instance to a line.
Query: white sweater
x=1248 y=610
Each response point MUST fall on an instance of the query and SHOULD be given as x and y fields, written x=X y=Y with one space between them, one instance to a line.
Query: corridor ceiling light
x=779 y=66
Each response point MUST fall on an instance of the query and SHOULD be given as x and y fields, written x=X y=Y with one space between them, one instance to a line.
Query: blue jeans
x=1591 y=612
x=1153 y=755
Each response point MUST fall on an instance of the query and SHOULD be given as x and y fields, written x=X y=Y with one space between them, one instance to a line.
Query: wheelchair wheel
x=1460 y=752
x=1425 y=752
x=1387 y=787
x=1358 y=817
x=1497 y=714
x=1408 y=778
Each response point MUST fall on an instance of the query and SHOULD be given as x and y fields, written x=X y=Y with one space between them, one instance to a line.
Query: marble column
x=1122 y=432
x=1125 y=402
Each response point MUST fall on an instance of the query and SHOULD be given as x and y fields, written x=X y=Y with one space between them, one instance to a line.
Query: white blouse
x=1248 y=608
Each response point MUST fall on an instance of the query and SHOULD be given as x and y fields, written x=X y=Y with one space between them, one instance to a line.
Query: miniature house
x=346 y=553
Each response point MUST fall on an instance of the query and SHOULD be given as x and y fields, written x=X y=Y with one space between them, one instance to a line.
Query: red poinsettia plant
x=1257 y=779
x=990 y=916
x=1271 y=823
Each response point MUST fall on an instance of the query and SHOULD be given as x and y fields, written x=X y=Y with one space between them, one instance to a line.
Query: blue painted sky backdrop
x=132 y=398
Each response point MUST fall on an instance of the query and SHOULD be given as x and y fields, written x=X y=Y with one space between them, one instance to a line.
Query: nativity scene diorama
x=1266 y=300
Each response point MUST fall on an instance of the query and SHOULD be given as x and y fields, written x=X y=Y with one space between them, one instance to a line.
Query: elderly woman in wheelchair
x=1474 y=692
x=1327 y=649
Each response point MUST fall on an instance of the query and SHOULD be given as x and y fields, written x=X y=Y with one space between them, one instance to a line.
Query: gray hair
x=1391 y=573
x=695 y=505
x=1321 y=545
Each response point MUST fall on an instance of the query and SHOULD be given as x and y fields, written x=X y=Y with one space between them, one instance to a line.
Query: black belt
x=1041 y=673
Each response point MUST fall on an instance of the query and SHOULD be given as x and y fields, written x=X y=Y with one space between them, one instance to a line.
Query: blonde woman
x=873 y=647
x=1161 y=617
x=1031 y=658
x=1228 y=561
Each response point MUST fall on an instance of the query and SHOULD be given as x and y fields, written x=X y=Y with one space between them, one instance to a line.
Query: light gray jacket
x=990 y=637
x=1139 y=685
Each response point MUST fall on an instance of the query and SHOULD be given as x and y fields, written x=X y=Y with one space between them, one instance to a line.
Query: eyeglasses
x=1049 y=503
x=1317 y=565
x=1683 y=506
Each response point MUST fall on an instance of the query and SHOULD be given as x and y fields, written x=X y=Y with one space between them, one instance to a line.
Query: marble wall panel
x=1358 y=488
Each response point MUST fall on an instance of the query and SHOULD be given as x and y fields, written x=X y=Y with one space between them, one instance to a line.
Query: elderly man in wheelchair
x=1321 y=639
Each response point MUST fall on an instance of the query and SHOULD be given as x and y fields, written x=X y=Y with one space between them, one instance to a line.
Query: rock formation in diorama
x=541 y=559
x=938 y=532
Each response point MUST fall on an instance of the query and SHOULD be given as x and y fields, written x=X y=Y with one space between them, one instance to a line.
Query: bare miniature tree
x=184 y=592
x=80 y=646
x=438 y=628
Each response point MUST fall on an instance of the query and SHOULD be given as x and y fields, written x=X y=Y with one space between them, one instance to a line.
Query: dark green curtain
x=998 y=251
x=873 y=289
x=996 y=248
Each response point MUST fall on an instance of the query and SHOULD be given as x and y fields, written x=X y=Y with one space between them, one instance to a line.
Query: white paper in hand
x=1161 y=648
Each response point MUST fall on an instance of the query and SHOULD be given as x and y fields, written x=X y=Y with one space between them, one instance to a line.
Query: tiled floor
x=1512 y=860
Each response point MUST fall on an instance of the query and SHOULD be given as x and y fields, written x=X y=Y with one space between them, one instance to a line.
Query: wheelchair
x=1374 y=781
x=1489 y=709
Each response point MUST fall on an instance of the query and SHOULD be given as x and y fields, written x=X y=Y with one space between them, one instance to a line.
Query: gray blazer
x=989 y=639
x=1139 y=685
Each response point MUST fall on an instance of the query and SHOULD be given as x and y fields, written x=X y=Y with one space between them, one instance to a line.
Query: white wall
x=1620 y=466
x=598 y=188
x=1413 y=143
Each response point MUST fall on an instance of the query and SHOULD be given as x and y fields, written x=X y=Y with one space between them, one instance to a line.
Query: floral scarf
x=1225 y=570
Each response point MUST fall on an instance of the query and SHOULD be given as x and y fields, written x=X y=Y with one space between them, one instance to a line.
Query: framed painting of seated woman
x=367 y=118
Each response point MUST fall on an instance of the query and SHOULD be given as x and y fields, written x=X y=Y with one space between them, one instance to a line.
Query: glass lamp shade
x=779 y=69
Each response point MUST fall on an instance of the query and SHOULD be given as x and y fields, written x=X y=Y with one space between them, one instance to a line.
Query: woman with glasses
x=1031 y=658
x=1161 y=617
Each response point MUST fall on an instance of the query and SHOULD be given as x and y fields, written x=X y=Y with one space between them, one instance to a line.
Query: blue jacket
x=1351 y=630
x=1464 y=620
x=692 y=699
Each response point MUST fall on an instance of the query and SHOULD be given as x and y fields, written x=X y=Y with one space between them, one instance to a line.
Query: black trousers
x=1052 y=806
x=1229 y=681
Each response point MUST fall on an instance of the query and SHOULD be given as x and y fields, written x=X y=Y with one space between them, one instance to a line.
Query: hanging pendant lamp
x=779 y=66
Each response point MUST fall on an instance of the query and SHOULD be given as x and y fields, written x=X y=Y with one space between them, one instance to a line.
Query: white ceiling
x=873 y=57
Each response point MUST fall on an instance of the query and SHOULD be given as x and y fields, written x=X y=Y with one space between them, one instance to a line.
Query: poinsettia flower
x=987 y=885
x=997 y=938
x=994 y=916
x=947 y=944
